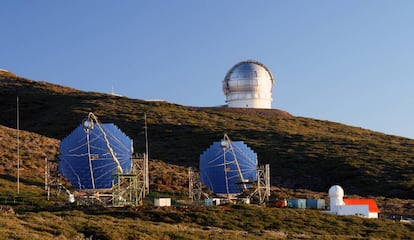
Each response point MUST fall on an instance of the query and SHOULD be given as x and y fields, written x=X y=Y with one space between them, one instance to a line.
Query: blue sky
x=348 y=61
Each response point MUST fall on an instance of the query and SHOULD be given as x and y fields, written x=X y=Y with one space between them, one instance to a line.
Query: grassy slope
x=41 y=219
x=231 y=222
x=303 y=153
x=292 y=145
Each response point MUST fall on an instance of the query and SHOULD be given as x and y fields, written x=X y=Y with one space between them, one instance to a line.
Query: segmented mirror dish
x=218 y=167
x=94 y=168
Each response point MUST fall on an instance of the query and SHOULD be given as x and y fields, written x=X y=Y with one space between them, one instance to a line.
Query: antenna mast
x=146 y=176
x=18 y=147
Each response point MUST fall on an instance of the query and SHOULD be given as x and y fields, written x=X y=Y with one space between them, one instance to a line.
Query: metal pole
x=225 y=173
x=146 y=175
x=46 y=174
x=90 y=160
x=267 y=167
x=18 y=148
x=242 y=180
x=92 y=117
x=190 y=184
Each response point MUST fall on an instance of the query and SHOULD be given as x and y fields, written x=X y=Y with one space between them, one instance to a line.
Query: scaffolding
x=50 y=180
x=195 y=188
x=52 y=183
x=129 y=189
x=261 y=191
x=263 y=183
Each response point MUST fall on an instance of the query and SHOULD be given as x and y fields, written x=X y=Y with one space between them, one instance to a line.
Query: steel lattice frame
x=263 y=183
x=130 y=188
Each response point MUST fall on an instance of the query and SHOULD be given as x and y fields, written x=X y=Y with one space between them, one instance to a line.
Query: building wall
x=373 y=215
x=356 y=210
x=250 y=103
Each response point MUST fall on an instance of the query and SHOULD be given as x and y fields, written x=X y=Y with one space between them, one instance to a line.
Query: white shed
x=162 y=202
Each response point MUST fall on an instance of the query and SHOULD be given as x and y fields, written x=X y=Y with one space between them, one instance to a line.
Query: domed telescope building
x=248 y=84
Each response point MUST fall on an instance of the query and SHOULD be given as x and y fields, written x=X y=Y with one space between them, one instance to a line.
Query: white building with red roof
x=365 y=207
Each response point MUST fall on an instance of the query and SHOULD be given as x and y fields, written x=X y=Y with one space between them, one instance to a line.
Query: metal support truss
x=195 y=191
x=263 y=183
x=51 y=177
x=52 y=183
x=131 y=188
x=262 y=190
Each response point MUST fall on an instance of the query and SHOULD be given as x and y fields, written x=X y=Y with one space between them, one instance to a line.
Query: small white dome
x=336 y=191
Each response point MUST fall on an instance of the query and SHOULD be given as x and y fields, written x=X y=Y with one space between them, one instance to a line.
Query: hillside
x=306 y=156
x=304 y=153
x=30 y=216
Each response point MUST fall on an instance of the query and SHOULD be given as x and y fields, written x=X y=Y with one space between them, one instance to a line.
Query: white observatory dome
x=248 y=84
x=336 y=191
x=336 y=196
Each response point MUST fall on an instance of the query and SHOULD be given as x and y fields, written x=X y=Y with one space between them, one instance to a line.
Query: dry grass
x=306 y=156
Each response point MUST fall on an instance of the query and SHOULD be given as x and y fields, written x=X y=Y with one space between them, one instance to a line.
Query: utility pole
x=146 y=175
x=18 y=147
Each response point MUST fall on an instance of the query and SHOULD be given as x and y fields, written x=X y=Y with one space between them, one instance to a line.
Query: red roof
x=372 y=205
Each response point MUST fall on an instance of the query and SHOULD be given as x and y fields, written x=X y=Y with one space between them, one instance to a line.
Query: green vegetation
x=226 y=222
x=304 y=153
x=307 y=156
